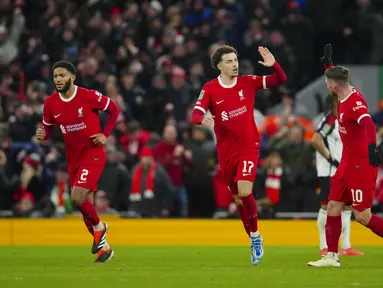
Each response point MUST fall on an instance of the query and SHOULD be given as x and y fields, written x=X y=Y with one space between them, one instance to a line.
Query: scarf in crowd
x=135 y=193
x=273 y=184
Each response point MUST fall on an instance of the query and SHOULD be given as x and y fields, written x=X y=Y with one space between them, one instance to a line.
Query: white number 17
x=247 y=166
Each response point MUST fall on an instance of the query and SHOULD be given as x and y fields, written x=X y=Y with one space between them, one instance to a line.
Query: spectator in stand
x=298 y=160
x=273 y=171
x=113 y=180
x=152 y=192
x=173 y=156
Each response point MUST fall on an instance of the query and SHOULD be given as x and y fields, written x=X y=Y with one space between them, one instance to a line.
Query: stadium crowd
x=152 y=58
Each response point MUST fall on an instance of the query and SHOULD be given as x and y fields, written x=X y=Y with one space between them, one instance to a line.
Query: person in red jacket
x=172 y=155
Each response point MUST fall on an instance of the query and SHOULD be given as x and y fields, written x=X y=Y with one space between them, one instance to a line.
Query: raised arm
x=327 y=57
x=277 y=78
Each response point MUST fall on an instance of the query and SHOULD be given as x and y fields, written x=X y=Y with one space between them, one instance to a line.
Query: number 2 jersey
x=78 y=118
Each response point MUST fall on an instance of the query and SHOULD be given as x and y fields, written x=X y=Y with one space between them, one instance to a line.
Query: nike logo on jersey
x=219 y=102
x=57 y=115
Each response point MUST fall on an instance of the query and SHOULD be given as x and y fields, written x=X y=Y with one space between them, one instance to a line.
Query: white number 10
x=357 y=195
x=247 y=166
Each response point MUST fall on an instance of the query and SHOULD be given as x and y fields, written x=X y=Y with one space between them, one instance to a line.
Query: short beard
x=66 y=87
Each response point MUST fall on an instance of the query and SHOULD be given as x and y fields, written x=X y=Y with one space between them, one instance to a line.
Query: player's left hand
x=99 y=139
x=374 y=155
x=268 y=58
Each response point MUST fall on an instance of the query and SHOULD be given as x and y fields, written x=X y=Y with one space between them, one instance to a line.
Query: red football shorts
x=86 y=176
x=243 y=167
x=355 y=186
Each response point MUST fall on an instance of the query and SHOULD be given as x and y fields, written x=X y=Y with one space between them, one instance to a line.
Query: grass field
x=183 y=267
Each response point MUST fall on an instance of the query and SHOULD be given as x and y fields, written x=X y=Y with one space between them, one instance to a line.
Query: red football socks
x=244 y=218
x=376 y=225
x=88 y=225
x=250 y=208
x=333 y=231
x=89 y=213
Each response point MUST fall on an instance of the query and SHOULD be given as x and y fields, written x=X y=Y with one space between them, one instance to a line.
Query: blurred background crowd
x=152 y=58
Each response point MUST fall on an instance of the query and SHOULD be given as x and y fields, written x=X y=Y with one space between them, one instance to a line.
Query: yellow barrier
x=72 y=231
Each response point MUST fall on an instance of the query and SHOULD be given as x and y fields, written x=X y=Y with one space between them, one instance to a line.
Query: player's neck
x=344 y=93
x=68 y=93
x=227 y=80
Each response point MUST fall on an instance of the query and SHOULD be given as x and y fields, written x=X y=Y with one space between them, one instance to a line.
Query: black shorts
x=324 y=185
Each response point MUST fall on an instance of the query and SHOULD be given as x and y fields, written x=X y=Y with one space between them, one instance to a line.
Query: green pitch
x=183 y=267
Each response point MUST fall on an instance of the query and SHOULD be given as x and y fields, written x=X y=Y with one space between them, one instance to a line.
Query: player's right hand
x=374 y=156
x=327 y=54
x=208 y=121
x=40 y=133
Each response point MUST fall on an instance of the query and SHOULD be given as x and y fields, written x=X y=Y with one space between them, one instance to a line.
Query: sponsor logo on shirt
x=72 y=128
x=359 y=105
x=224 y=116
x=234 y=113
x=237 y=112
x=342 y=130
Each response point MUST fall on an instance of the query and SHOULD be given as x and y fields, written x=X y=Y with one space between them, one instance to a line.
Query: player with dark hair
x=230 y=99
x=328 y=145
x=354 y=180
x=75 y=111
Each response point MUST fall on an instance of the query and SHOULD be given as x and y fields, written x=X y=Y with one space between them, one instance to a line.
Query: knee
x=362 y=217
x=245 y=188
x=334 y=208
x=77 y=198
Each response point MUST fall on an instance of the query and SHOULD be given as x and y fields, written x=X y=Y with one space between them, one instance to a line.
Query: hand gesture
x=208 y=121
x=188 y=154
x=268 y=58
x=327 y=53
x=178 y=150
x=99 y=139
x=40 y=133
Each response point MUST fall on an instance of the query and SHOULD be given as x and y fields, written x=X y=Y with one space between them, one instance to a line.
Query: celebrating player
x=328 y=144
x=354 y=180
x=230 y=99
x=75 y=111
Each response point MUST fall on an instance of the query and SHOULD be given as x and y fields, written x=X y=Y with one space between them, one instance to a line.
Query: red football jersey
x=354 y=138
x=78 y=119
x=232 y=108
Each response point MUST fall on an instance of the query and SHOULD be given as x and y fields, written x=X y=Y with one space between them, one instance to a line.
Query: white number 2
x=247 y=166
x=357 y=195
x=84 y=174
